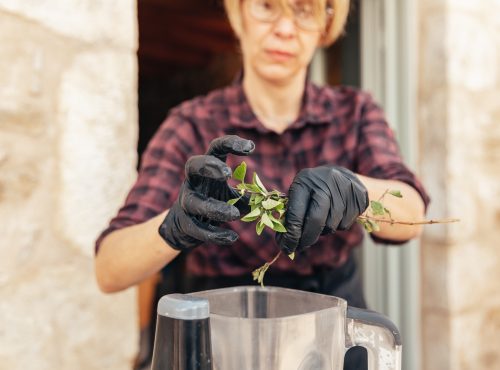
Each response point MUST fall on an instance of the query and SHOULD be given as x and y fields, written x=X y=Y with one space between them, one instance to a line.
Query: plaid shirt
x=337 y=126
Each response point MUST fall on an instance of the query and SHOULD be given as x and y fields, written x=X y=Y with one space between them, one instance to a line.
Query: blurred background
x=85 y=83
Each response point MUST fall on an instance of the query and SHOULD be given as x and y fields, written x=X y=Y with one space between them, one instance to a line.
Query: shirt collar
x=317 y=107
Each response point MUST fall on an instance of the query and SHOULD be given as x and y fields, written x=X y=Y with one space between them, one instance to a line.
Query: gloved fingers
x=338 y=205
x=362 y=199
x=356 y=203
x=347 y=173
x=208 y=233
x=206 y=166
x=171 y=229
x=298 y=202
x=197 y=204
x=314 y=220
x=230 y=144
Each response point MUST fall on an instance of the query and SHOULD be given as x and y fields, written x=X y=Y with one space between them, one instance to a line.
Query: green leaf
x=375 y=226
x=277 y=225
x=388 y=212
x=369 y=225
x=241 y=186
x=256 y=181
x=258 y=274
x=258 y=198
x=254 y=213
x=377 y=208
x=233 y=201
x=259 y=227
x=266 y=220
x=240 y=172
x=273 y=219
x=256 y=189
x=280 y=206
x=270 y=203
x=250 y=219
x=396 y=193
x=366 y=225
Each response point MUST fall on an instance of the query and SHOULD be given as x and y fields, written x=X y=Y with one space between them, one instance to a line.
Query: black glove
x=202 y=201
x=321 y=200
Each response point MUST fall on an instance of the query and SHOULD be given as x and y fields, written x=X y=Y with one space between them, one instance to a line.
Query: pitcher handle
x=378 y=335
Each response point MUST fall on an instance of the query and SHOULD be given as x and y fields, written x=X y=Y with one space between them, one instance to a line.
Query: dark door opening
x=186 y=48
x=343 y=59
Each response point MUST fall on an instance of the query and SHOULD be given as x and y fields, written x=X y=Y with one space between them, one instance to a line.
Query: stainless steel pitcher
x=254 y=328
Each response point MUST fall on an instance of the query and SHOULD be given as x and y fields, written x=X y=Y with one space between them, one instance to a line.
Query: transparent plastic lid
x=183 y=307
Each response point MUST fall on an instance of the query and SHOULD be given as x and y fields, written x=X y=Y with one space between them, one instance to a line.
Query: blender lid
x=183 y=307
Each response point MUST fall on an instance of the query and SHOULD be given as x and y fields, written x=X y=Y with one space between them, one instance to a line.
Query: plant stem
x=383 y=195
x=423 y=222
x=376 y=219
x=275 y=258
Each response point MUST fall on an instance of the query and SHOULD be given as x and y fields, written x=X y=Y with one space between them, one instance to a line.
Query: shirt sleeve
x=160 y=175
x=378 y=154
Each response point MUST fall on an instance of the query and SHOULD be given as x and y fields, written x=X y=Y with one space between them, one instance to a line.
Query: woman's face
x=277 y=50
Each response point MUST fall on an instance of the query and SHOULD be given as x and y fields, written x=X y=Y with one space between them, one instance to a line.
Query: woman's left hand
x=321 y=200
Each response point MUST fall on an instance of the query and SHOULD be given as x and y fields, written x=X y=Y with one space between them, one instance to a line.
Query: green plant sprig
x=377 y=208
x=378 y=213
x=268 y=209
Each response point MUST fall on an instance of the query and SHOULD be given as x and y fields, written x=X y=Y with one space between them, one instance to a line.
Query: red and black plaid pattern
x=340 y=126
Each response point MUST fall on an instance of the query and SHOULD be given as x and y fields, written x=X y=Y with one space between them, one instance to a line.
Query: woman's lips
x=278 y=55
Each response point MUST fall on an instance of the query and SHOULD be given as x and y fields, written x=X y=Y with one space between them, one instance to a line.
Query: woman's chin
x=277 y=74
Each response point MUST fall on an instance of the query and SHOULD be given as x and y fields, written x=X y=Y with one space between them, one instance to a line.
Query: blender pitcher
x=254 y=328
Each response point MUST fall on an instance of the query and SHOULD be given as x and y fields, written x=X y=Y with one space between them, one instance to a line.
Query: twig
x=258 y=274
x=383 y=195
x=275 y=258
x=423 y=222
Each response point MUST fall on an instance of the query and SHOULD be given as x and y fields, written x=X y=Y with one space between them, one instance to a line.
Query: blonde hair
x=333 y=31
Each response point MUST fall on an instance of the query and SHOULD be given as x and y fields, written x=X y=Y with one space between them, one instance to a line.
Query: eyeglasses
x=306 y=13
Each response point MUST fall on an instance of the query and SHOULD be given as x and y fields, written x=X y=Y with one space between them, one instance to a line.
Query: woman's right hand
x=321 y=200
x=202 y=201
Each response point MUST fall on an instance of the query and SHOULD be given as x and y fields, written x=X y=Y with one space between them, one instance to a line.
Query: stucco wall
x=68 y=125
x=459 y=118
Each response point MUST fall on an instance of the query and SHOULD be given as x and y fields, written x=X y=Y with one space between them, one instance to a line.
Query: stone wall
x=68 y=125
x=459 y=112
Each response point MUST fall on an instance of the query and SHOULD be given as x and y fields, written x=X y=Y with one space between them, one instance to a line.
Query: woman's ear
x=322 y=42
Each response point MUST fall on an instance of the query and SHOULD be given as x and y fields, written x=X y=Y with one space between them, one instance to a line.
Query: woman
x=331 y=148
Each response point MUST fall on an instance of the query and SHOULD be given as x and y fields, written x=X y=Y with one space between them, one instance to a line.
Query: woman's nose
x=285 y=26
